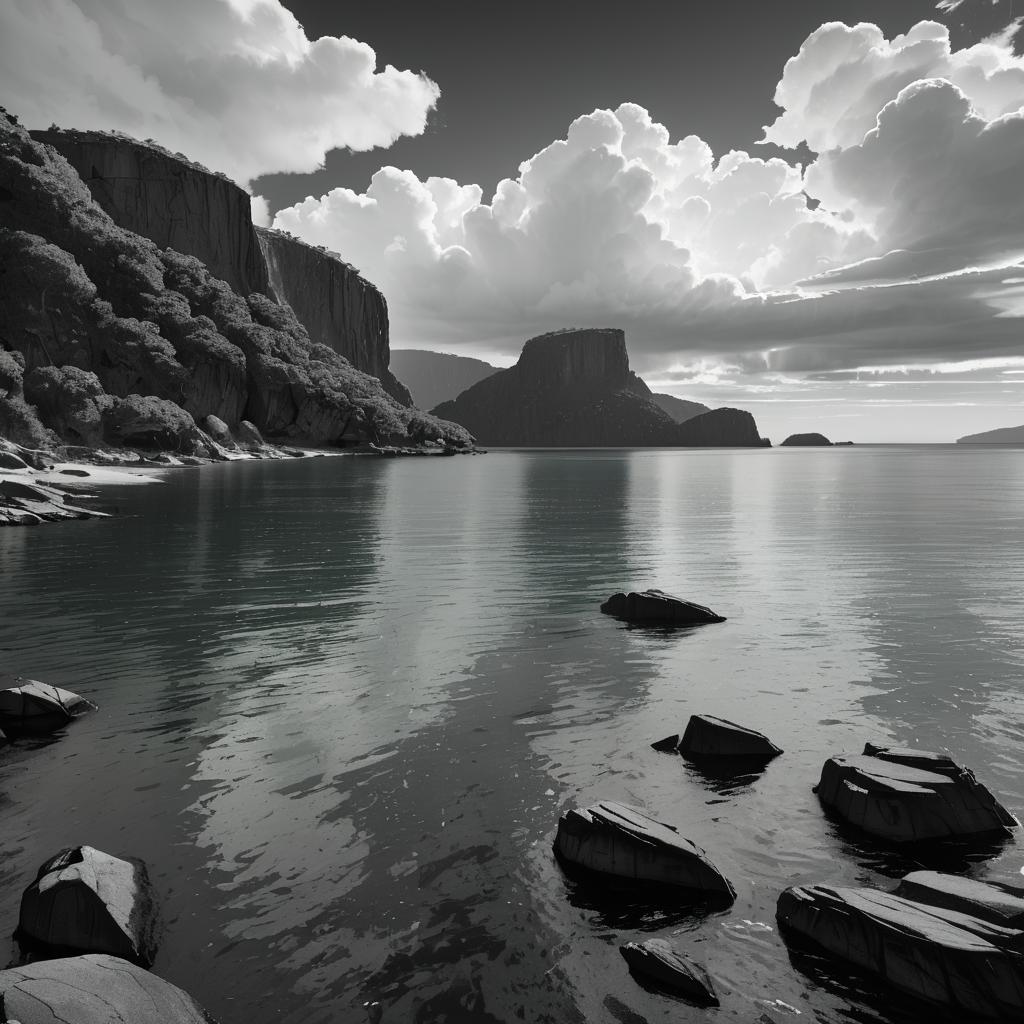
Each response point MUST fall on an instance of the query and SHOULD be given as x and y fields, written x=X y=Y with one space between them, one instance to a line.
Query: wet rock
x=32 y=706
x=938 y=956
x=86 y=901
x=655 y=607
x=888 y=794
x=994 y=902
x=615 y=839
x=669 y=745
x=94 y=989
x=708 y=736
x=657 y=963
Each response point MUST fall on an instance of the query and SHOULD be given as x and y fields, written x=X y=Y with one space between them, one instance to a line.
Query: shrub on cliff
x=71 y=401
x=143 y=421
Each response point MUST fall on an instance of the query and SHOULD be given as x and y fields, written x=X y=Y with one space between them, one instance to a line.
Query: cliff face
x=107 y=338
x=575 y=388
x=337 y=307
x=435 y=377
x=176 y=204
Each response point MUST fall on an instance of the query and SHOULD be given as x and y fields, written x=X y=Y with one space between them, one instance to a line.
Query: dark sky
x=514 y=75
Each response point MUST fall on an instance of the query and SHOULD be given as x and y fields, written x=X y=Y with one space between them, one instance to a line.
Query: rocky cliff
x=107 y=338
x=575 y=388
x=435 y=377
x=170 y=200
x=336 y=306
x=679 y=409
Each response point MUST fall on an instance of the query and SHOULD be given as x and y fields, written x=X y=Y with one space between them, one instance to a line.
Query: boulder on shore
x=658 y=964
x=85 y=901
x=708 y=736
x=32 y=706
x=942 y=957
x=910 y=796
x=655 y=607
x=94 y=989
x=994 y=902
x=615 y=839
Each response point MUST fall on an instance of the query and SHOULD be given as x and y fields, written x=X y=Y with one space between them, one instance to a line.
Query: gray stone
x=94 y=989
x=708 y=736
x=8 y=460
x=655 y=607
x=248 y=433
x=657 y=963
x=30 y=704
x=217 y=429
x=995 y=902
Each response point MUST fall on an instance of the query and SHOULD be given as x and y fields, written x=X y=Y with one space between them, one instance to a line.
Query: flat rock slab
x=94 y=989
x=657 y=963
x=619 y=840
x=994 y=902
x=938 y=956
x=655 y=607
x=86 y=901
x=38 y=707
x=892 y=798
x=708 y=736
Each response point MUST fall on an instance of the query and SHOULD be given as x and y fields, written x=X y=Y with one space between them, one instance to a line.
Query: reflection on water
x=344 y=701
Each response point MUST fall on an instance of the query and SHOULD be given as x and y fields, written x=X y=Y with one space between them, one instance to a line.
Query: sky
x=813 y=209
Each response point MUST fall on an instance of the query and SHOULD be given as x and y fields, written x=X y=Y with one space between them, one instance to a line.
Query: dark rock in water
x=618 y=840
x=657 y=963
x=94 y=989
x=655 y=607
x=669 y=745
x=889 y=795
x=707 y=736
x=994 y=902
x=31 y=706
x=944 y=958
x=807 y=441
x=86 y=901
x=575 y=387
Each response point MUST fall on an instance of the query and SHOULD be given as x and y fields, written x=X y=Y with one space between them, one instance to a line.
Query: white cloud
x=234 y=84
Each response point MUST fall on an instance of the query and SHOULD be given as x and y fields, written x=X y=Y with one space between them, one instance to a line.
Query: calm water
x=344 y=701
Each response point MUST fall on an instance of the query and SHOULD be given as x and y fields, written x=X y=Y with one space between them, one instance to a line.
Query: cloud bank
x=234 y=84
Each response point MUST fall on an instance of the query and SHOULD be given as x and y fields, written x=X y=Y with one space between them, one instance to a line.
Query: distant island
x=806 y=441
x=574 y=387
x=1002 y=435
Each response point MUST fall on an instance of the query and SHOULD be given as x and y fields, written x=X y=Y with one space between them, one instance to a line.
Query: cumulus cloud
x=234 y=84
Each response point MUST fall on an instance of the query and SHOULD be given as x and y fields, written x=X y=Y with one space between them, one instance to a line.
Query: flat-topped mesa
x=169 y=199
x=578 y=356
x=338 y=307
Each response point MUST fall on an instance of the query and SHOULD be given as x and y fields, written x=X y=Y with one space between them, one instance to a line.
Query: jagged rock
x=939 y=956
x=888 y=794
x=248 y=433
x=32 y=706
x=94 y=989
x=669 y=745
x=575 y=387
x=655 y=607
x=86 y=901
x=337 y=306
x=994 y=902
x=707 y=736
x=807 y=441
x=657 y=963
x=618 y=840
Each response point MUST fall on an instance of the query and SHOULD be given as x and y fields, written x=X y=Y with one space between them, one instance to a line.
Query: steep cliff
x=169 y=200
x=106 y=338
x=435 y=377
x=575 y=388
x=337 y=307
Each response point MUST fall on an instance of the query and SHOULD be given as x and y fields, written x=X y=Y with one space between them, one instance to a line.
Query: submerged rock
x=708 y=736
x=94 y=989
x=939 y=956
x=910 y=796
x=615 y=839
x=657 y=963
x=86 y=901
x=994 y=902
x=655 y=607
x=39 y=707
